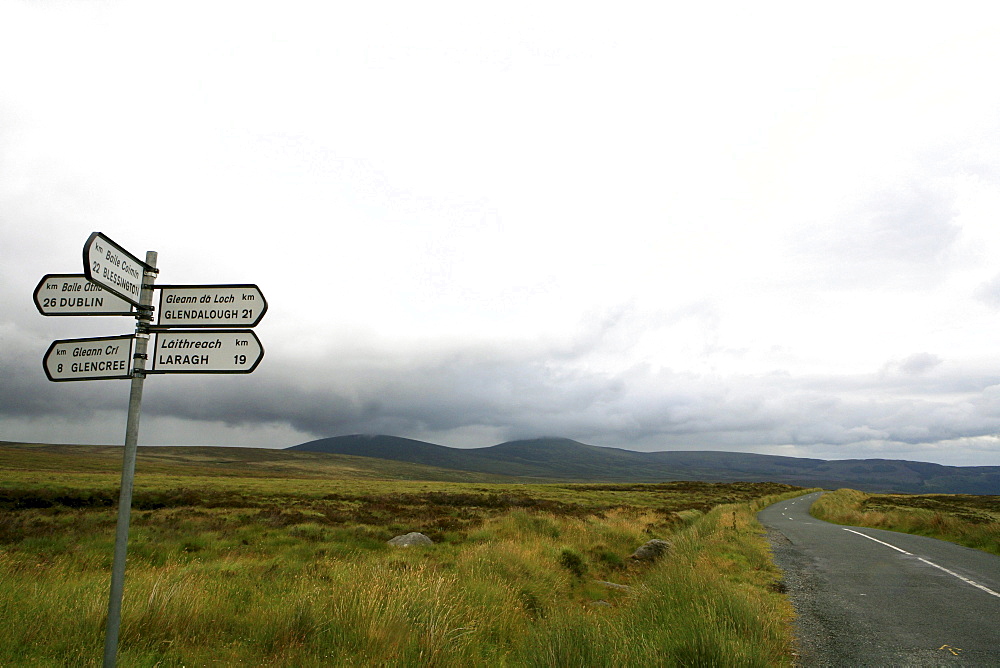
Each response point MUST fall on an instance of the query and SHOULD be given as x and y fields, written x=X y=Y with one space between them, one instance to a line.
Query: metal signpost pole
x=113 y=281
x=145 y=317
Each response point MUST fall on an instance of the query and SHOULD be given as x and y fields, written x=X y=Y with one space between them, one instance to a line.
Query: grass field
x=970 y=520
x=270 y=558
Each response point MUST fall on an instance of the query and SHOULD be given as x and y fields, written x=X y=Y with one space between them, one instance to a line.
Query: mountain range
x=565 y=459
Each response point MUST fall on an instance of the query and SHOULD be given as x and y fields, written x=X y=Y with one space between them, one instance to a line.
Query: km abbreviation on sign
x=89 y=359
x=211 y=306
x=113 y=268
x=73 y=294
x=207 y=351
x=113 y=282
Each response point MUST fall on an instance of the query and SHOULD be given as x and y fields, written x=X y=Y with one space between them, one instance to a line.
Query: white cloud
x=657 y=226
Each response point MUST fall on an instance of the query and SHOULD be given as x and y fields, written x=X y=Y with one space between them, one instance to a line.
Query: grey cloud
x=913 y=365
x=899 y=236
x=911 y=223
x=919 y=363
x=438 y=392
x=25 y=392
x=989 y=292
x=517 y=392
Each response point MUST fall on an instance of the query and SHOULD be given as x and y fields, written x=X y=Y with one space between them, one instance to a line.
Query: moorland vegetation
x=264 y=558
x=966 y=519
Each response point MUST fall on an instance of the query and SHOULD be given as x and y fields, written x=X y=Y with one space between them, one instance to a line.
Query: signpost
x=207 y=351
x=73 y=294
x=211 y=306
x=89 y=359
x=113 y=268
x=113 y=281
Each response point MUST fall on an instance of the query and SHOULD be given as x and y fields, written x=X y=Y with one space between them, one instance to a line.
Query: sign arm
x=116 y=282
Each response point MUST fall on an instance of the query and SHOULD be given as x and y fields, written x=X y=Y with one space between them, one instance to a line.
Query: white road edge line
x=929 y=563
x=898 y=549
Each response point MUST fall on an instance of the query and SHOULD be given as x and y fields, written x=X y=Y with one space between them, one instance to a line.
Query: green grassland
x=970 y=520
x=241 y=556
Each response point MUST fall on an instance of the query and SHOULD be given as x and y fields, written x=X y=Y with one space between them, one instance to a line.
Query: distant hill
x=203 y=460
x=565 y=459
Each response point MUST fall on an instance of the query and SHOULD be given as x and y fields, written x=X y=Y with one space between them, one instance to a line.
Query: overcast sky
x=758 y=227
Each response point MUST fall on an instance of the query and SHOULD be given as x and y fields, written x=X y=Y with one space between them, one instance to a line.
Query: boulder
x=652 y=550
x=412 y=538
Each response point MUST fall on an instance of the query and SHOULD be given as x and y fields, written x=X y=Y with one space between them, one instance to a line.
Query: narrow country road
x=867 y=597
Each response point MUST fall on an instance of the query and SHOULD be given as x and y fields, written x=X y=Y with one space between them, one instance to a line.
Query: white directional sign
x=210 y=305
x=89 y=359
x=73 y=294
x=113 y=282
x=207 y=351
x=113 y=268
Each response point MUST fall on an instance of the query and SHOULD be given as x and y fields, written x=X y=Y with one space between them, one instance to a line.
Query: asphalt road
x=867 y=597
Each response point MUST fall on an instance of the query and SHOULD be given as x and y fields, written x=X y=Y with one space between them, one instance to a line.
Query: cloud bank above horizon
x=768 y=229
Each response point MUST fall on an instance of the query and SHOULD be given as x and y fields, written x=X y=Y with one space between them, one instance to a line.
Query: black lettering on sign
x=195 y=360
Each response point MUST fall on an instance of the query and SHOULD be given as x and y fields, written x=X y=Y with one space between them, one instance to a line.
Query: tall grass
x=947 y=521
x=521 y=587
